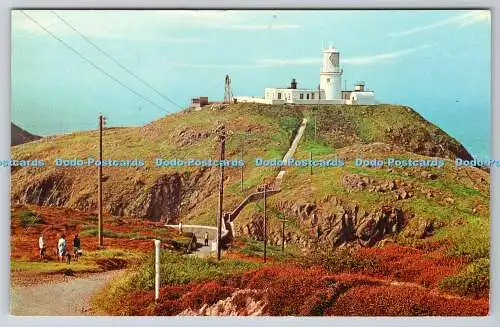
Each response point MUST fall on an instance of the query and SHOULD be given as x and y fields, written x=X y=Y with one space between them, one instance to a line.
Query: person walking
x=76 y=246
x=41 y=246
x=206 y=239
x=61 y=248
x=180 y=227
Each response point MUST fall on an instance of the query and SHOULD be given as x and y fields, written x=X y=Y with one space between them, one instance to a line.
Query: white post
x=157 y=269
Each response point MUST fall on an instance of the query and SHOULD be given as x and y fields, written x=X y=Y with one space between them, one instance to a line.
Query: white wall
x=252 y=99
x=326 y=85
x=363 y=98
x=243 y=99
x=292 y=95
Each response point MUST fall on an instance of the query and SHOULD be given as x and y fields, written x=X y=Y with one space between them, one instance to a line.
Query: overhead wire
x=90 y=62
x=105 y=53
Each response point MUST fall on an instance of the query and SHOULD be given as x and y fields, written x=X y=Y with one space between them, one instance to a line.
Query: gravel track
x=70 y=297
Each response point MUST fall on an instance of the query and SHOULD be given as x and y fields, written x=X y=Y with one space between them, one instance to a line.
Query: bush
x=208 y=293
x=28 y=219
x=175 y=270
x=344 y=260
x=474 y=280
x=403 y=301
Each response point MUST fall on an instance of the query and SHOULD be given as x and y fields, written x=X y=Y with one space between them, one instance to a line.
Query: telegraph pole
x=241 y=157
x=310 y=162
x=315 y=130
x=102 y=122
x=221 y=136
x=265 y=222
x=319 y=96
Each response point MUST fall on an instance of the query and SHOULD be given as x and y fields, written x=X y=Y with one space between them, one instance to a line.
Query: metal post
x=265 y=222
x=157 y=269
x=99 y=185
x=222 y=139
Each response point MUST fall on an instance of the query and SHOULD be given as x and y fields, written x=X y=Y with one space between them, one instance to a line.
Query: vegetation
x=93 y=261
x=453 y=254
x=343 y=260
x=175 y=269
x=255 y=248
x=473 y=280
x=28 y=218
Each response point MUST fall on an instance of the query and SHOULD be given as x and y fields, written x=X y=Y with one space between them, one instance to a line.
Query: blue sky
x=437 y=62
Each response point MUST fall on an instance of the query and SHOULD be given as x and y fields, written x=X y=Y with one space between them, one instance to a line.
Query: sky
x=436 y=61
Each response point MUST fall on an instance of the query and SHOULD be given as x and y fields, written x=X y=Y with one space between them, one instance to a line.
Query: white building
x=329 y=92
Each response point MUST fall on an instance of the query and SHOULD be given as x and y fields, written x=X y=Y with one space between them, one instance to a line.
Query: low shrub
x=344 y=260
x=411 y=265
x=28 y=218
x=175 y=270
x=208 y=293
x=402 y=301
x=474 y=280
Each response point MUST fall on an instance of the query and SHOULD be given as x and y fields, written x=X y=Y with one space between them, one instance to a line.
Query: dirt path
x=68 y=298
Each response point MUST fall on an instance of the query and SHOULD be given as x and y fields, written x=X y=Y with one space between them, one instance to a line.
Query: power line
x=114 y=60
x=91 y=63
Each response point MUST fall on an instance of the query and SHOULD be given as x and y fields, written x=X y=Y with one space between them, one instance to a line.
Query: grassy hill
x=20 y=136
x=387 y=203
x=426 y=226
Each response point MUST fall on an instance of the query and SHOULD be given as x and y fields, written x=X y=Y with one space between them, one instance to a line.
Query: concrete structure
x=329 y=91
x=199 y=102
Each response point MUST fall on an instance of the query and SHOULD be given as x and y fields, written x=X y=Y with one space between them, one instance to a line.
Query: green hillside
x=332 y=206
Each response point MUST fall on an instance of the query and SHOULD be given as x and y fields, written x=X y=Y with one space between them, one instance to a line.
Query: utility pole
x=315 y=129
x=241 y=157
x=319 y=96
x=310 y=163
x=265 y=222
x=221 y=137
x=102 y=122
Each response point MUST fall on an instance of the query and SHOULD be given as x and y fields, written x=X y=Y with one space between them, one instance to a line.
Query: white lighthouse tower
x=331 y=74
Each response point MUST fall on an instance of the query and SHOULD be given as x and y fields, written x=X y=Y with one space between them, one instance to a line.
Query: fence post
x=157 y=269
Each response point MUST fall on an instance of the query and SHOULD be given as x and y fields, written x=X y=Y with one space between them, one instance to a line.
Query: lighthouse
x=331 y=74
x=329 y=93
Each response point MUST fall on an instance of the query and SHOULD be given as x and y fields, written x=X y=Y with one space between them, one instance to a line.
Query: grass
x=255 y=248
x=89 y=262
x=28 y=218
x=472 y=239
x=473 y=280
x=112 y=234
x=53 y=267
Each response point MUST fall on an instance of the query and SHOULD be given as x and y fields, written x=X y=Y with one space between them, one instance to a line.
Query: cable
x=114 y=60
x=91 y=63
